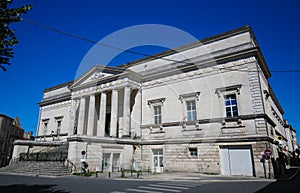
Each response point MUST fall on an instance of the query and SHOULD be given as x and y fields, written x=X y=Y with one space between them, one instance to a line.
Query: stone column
x=126 y=112
x=138 y=113
x=73 y=121
x=114 y=113
x=81 y=116
x=91 y=116
x=102 y=116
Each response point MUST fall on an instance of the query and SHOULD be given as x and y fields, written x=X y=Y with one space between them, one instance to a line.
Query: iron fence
x=44 y=156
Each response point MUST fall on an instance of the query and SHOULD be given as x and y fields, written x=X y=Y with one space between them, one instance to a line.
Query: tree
x=7 y=35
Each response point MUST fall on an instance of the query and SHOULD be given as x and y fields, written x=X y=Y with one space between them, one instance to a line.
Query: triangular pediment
x=97 y=73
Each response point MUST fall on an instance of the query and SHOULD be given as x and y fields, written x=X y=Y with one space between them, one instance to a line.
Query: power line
x=138 y=53
x=98 y=43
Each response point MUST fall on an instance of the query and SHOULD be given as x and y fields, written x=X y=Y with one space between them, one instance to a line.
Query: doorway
x=158 y=159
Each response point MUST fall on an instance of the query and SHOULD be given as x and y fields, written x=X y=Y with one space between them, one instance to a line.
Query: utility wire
x=94 y=42
x=138 y=53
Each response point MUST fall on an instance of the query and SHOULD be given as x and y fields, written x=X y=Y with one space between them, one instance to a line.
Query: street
x=16 y=184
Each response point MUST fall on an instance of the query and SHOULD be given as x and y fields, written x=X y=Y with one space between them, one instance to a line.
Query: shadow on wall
x=18 y=188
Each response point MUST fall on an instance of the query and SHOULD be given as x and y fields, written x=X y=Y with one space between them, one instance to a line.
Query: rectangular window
x=193 y=151
x=45 y=127
x=157 y=114
x=231 y=105
x=191 y=110
x=58 y=126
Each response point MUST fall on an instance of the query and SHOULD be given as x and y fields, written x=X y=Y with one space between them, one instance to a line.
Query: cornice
x=56 y=99
x=204 y=41
x=216 y=120
x=236 y=139
x=98 y=139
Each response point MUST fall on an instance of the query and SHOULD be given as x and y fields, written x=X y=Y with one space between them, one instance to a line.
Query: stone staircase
x=37 y=168
x=41 y=160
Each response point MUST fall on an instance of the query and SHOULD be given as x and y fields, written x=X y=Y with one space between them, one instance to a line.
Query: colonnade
x=88 y=123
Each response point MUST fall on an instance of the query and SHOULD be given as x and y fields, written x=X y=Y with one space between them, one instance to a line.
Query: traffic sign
x=83 y=152
x=264 y=156
x=268 y=152
x=279 y=137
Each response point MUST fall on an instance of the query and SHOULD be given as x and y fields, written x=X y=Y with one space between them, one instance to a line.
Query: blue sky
x=44 y=58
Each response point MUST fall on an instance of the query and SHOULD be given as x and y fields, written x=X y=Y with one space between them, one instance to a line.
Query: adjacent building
x=10 y=130
x=204 y=107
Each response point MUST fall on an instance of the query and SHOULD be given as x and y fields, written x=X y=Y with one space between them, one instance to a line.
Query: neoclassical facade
x=204 y=107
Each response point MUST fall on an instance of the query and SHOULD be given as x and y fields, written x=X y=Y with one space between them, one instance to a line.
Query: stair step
x=37 y=168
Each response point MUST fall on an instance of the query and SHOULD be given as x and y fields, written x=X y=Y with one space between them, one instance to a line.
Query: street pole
x=81 y=169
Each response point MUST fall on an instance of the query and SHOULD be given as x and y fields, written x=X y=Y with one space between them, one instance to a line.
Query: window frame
x=153 y=104
x=223 y=92
x=193 y=151
x=233 y=106
x=157 y=114
x=190 y=110
x=58 y=127
x=45 y=123
x=185 y=99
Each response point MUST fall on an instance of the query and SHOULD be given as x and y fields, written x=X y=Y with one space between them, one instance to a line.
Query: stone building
x=10 y=130
x=204 y=107
x=292 y=143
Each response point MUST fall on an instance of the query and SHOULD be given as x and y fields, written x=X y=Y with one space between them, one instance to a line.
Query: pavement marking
x=159 y=189
x=144 y=191
x=163 y=187
x=189 y=183
x=177 y=184
x=117 y=192
x=166 y=186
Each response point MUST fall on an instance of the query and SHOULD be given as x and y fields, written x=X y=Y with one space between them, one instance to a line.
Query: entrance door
x=158 y=158
x=236 y=160
x=116 y=162
x=106 y=162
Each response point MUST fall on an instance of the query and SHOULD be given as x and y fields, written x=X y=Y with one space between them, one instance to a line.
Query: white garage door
x=236 y=160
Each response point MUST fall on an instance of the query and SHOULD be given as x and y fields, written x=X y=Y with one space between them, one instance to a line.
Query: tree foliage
x=7 y=35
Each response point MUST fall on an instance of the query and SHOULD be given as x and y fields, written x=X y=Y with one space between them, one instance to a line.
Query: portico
x=104 y=109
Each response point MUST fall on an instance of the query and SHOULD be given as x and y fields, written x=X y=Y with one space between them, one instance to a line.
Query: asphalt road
x=30 y=184
x=283 y=186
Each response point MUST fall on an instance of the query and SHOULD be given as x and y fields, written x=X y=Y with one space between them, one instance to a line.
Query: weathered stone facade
x=206 y=108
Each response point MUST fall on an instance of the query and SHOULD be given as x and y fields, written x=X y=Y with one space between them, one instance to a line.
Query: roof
x=59 y=86
x=18 y=125
x=168 y=52
x=3 y=115
x=191 y=45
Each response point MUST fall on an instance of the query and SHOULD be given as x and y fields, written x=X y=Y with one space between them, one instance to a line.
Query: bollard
x=122 y=173
x=97 y=174
x=109 y=174
x=138 y=174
